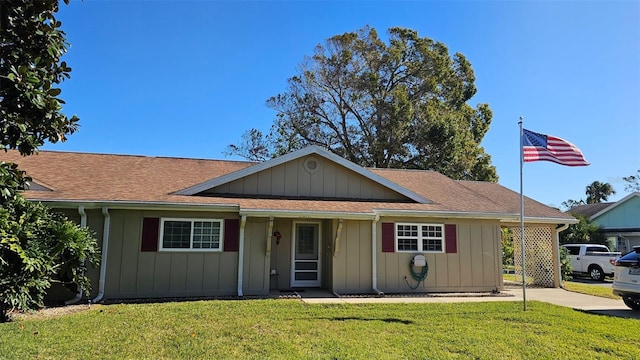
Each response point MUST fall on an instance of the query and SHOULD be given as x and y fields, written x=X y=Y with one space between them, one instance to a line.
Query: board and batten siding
x=476 y=265
x=255 y=274
x=352 y=261
x=132 y=273
x=292 y=179
x=280 y=257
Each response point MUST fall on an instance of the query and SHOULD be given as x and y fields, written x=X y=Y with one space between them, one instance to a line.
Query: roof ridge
x=404 y=170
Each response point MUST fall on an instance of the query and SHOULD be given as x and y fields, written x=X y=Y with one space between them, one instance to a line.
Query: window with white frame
x=420 y=237
x=191 y=234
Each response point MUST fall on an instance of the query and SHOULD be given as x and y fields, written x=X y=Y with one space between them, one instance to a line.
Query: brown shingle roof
x=588 y=210
x=84 y=177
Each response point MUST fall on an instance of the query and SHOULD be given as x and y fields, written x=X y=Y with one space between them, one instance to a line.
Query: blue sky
x=187 y=78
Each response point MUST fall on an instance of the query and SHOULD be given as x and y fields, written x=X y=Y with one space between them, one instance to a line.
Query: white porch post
x=243 y=222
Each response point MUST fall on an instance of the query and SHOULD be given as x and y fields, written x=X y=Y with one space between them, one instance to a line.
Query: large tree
x=399 y=104
x=31 y=47
x=37 y=246
x=598 y=192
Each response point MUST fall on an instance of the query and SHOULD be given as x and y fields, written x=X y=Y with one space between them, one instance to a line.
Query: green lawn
x=290 y=329
x=588 y=289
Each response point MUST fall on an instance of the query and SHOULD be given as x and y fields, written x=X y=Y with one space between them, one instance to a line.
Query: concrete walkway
x=570 y=299
x=559 y=297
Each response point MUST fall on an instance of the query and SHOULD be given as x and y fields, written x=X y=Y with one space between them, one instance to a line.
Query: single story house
x=176 y=227
x=619 y=221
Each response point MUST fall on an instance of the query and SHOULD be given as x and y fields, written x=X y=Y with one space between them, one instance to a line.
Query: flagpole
x=524 y=271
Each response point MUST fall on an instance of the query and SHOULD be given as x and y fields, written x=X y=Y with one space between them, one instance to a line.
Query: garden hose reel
x=419 y=269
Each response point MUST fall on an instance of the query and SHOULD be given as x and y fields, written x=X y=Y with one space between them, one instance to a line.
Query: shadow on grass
x=356 y=318
x=625 y=314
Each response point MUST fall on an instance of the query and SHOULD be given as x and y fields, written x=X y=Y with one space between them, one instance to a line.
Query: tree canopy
x=396 y=104
x=632 y=182
x=32 y=45
x=37 y=245
x=585 y=231
x=598 y=192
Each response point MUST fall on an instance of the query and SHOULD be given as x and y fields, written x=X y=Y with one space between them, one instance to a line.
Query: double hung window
x=420 y=237
x=191 y=234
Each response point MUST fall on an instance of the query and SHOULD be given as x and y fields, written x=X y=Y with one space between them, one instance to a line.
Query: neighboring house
x=175 y=227
x=619 y=221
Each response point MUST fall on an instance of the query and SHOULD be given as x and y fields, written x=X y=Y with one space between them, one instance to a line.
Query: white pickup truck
x=592 y=259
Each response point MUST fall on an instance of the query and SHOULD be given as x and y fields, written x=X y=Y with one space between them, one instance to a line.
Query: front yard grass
x=291 y=329
x=594 y=290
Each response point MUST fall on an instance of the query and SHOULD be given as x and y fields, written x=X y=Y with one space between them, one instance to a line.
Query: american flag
x=539 y=147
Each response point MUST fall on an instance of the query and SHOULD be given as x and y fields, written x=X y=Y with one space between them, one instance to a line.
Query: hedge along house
x=175 y=227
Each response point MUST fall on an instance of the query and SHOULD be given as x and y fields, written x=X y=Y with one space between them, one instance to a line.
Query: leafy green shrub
x=38 y=247
x=565 y=264
x=507 y=247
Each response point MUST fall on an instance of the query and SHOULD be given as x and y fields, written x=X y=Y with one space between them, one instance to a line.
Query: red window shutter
x=231 y=234
x=150 y=232
x=388 y=237
x=450 y=238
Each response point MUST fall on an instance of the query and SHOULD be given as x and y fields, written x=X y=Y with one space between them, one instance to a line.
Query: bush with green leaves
x=38 y=247
x=565 y=264
x=585 y=231
x=507 y=247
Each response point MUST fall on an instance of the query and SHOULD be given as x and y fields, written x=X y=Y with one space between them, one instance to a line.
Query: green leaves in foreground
x=31 y=71
x=38 y=247
x=290 y=329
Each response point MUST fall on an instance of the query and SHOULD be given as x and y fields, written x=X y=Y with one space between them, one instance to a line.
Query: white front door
x=305 y=267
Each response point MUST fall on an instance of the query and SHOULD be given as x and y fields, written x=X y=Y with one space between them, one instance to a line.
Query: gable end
x=312 y=173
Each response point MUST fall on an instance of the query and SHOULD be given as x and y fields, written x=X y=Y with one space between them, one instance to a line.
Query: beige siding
x=329 y=228
x=281 y=255
x=291 y=179
x=475 y=266
x=352 y=262
x=250 y=184
x=132 y=273
x=264 y=182
x=256 y=266
x=95 y=222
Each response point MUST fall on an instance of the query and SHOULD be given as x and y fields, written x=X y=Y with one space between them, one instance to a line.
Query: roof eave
x=136 y=205
x=154 y=205
x=502 y=217
x=302 y=214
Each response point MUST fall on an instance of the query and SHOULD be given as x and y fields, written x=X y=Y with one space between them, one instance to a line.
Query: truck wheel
x=633 y=303
x=596 y=273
